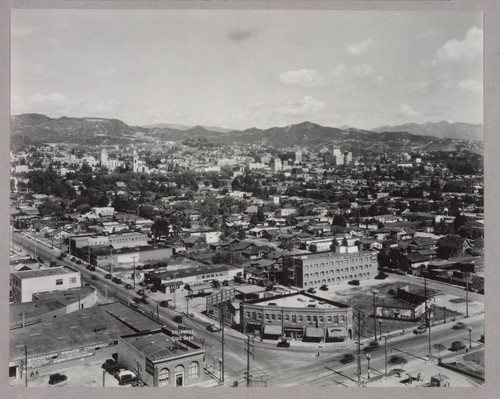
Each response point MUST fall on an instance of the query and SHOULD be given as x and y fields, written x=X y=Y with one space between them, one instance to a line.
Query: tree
x=103 y=201
x=450 y=246
x=344 y=204
x=339 y=220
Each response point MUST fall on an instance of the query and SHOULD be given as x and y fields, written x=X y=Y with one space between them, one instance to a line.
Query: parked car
x=347 y=358
x=283 y=343
x=91 y=268
x=57 y=378
x=140 y=292
x=133 y=305
x=421 y=329
x=324 y=287
x=78 y=262
x=144 y=300
x=311 y=290
x=164 y=304
x=381 y=276
x=128 y=286
x=400 y=272
x=108 y=276
x=353 y=282
x=457 y=346
x=116 y=280
x=154 y=289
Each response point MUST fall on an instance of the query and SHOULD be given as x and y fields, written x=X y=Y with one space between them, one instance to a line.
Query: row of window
x=338 y=271
x=313 y=283
x=72 y=280
x=337 y=262
x=193 y=373
x=295 y=318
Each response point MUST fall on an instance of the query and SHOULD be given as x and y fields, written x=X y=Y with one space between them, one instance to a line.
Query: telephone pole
x=222 y=307
x=374 y=317
x=359 y=346
x=250 y=352
x=385 y=338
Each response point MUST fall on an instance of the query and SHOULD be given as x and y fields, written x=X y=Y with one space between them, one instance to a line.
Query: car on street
x=140 y=292
x=154 y=289
x=421 y=329
x=459 y=326
x=164 y=304
x=91 y=268
x=78 y=262
x=457 y=346
x=117 y=280
x=371 y=346
x=283 y=344
x=353 y=282
x=347 y=358
x=324 y=287
x=128 y=286
x=213 y=328
x=57 y=378
x=311 y=290
x=108 y=276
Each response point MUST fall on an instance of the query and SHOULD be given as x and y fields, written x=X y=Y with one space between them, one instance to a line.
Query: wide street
x=302 y=363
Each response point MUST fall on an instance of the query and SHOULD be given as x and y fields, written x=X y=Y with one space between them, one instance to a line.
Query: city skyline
x=239 y=69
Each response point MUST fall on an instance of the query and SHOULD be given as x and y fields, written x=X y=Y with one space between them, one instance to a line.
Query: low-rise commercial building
x=297 y=315
x=27 y=283
x=163 y=358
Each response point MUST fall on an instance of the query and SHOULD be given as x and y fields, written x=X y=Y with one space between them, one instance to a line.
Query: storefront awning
x=315 y=332
x=272 y=330
x=337 y=332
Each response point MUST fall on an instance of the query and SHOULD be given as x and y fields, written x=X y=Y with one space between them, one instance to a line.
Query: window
x=294 y=318
x=308 y=318
x=194 y=370
x=259 y=316
x=278 y=317
x=266 y=316
x=336 y=319
x=321 y=319
x=329 y=319
x=341 y=319
x=163 y=377
x=59 y=281
x=273 y=317
x=300 y=318
x=287 y=317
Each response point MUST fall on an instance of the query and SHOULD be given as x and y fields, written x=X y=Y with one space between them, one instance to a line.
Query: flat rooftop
x=84 y=327
x=52 y=271
x=66 y=297
x=300 y=300
x=157 y=345
x=132 y=319
x=195 y=271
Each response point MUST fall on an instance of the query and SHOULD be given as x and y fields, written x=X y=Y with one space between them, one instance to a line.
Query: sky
x=243 y=69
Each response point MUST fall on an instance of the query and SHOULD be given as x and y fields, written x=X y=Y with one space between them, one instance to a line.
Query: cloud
x=360 y=48
x=301 y=77
x=241 y=34
x=405 y=111
x=468 y=49
x=307 y=106
x=417 y=89
x=471 y=85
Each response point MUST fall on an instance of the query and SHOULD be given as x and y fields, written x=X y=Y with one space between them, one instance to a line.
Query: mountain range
x=36 y=128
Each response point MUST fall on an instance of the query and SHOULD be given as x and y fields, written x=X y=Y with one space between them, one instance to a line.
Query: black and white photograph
x=246 y=198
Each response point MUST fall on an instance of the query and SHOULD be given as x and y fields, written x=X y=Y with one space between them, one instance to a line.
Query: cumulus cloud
x=360 y=48
x=304 y=107
x=471 y=85
x=301 y=77
x=405 y=111
x=49 y=99
x=467 y=49
x=241 y=34
x=417 y=89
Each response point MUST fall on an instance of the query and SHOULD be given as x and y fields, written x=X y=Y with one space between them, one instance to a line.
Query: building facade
x=27 y=283
x=308 y=271
x=297 y=315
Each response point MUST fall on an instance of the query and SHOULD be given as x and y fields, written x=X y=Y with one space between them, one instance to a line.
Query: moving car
x=128 y=286
x=91 y=268
x=108 y=276
x=311 y=290
x=459 y=326
x=324 y=287
x=213 y=328
x=283 y=343
x=348 y=358
x=421 y=329
x=164 y=304
x=353 y=282
x=116 y=280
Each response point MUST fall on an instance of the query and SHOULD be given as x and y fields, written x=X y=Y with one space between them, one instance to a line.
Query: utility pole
x=430 y=350
x=466 y=295
x=133 y=275
x=374 y=317
x=222 y=322
x=425 y=296
x=25 y=365
x=175 y=289
x=103 y=377
x=385 y=346
x=359 y=346
x=250 y=352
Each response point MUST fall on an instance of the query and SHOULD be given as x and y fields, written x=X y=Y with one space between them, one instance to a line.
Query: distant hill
x=35 y=128
x=184 y=127
x=443 y=129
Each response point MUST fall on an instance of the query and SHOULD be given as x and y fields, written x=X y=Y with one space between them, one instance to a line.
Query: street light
x=470 y=336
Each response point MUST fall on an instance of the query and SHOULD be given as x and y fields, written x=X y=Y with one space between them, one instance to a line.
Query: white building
x=27 y=283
